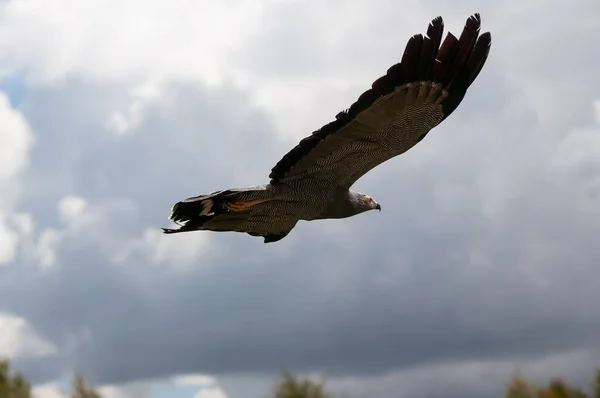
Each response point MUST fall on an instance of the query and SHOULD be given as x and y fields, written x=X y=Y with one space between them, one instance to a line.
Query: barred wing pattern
x=401 y=107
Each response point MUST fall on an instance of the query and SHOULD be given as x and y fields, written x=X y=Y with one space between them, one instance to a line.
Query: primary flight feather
x=313 y=180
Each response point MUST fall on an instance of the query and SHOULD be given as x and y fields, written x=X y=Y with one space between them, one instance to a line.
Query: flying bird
x=313 y=180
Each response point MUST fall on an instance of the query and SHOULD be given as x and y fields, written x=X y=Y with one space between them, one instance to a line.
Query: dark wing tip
x=455 y=63
x=410 y=58
x=459 y=61
x=479 y=56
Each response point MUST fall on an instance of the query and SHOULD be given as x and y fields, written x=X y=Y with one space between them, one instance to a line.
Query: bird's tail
x=230 y=205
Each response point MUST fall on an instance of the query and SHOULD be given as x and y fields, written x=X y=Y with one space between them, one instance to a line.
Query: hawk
x=313 y=180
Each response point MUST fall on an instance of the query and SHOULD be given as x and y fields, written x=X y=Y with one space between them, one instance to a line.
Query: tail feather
x=197 y=206
x=224 y=209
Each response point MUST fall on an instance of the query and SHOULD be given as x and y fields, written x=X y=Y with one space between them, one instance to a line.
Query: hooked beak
x=378 y=206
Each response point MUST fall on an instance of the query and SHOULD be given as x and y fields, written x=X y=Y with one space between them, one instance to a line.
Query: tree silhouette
x=12 y=383
x=293 y=387
x=519 y=387
x=81 y=389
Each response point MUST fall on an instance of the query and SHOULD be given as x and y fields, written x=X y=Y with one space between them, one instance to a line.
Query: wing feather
x=410 y=59
x=429 y=49
x=398 y=110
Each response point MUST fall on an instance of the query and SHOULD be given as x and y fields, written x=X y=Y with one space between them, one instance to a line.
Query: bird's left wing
x=401 y=107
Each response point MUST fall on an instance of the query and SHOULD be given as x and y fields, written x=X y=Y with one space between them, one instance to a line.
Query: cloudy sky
x=483 y=260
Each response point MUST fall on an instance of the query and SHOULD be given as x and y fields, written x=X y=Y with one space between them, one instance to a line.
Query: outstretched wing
x=401 y=107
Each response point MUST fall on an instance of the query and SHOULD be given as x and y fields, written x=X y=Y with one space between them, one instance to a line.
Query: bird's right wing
x=395 y=114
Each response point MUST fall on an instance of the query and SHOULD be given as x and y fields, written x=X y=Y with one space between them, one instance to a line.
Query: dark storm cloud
x=486 y=248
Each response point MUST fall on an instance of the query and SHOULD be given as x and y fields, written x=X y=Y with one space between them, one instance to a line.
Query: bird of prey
x=313 y=180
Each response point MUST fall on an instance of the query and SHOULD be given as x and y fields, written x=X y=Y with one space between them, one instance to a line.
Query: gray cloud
x=485 y=251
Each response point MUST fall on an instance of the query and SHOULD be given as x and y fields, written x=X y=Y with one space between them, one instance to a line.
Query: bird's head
x=367 y=203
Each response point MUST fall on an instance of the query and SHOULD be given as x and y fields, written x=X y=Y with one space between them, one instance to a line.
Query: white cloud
x=47 y=246
x=8 y=242
x=146 y=42
x=111 y=392
x=182 y=254
x=70 y=208
x=15 y=140
x=23 y=223
x=118 y=123
x=578 y=156
x=133 y=390
x=210 y=393
x=75 y=213
x=124 y=121
x=19 y=340
x=209 y=385
x=107 y=38
x=71 y=211
x=47 y=390
x=194 y=379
